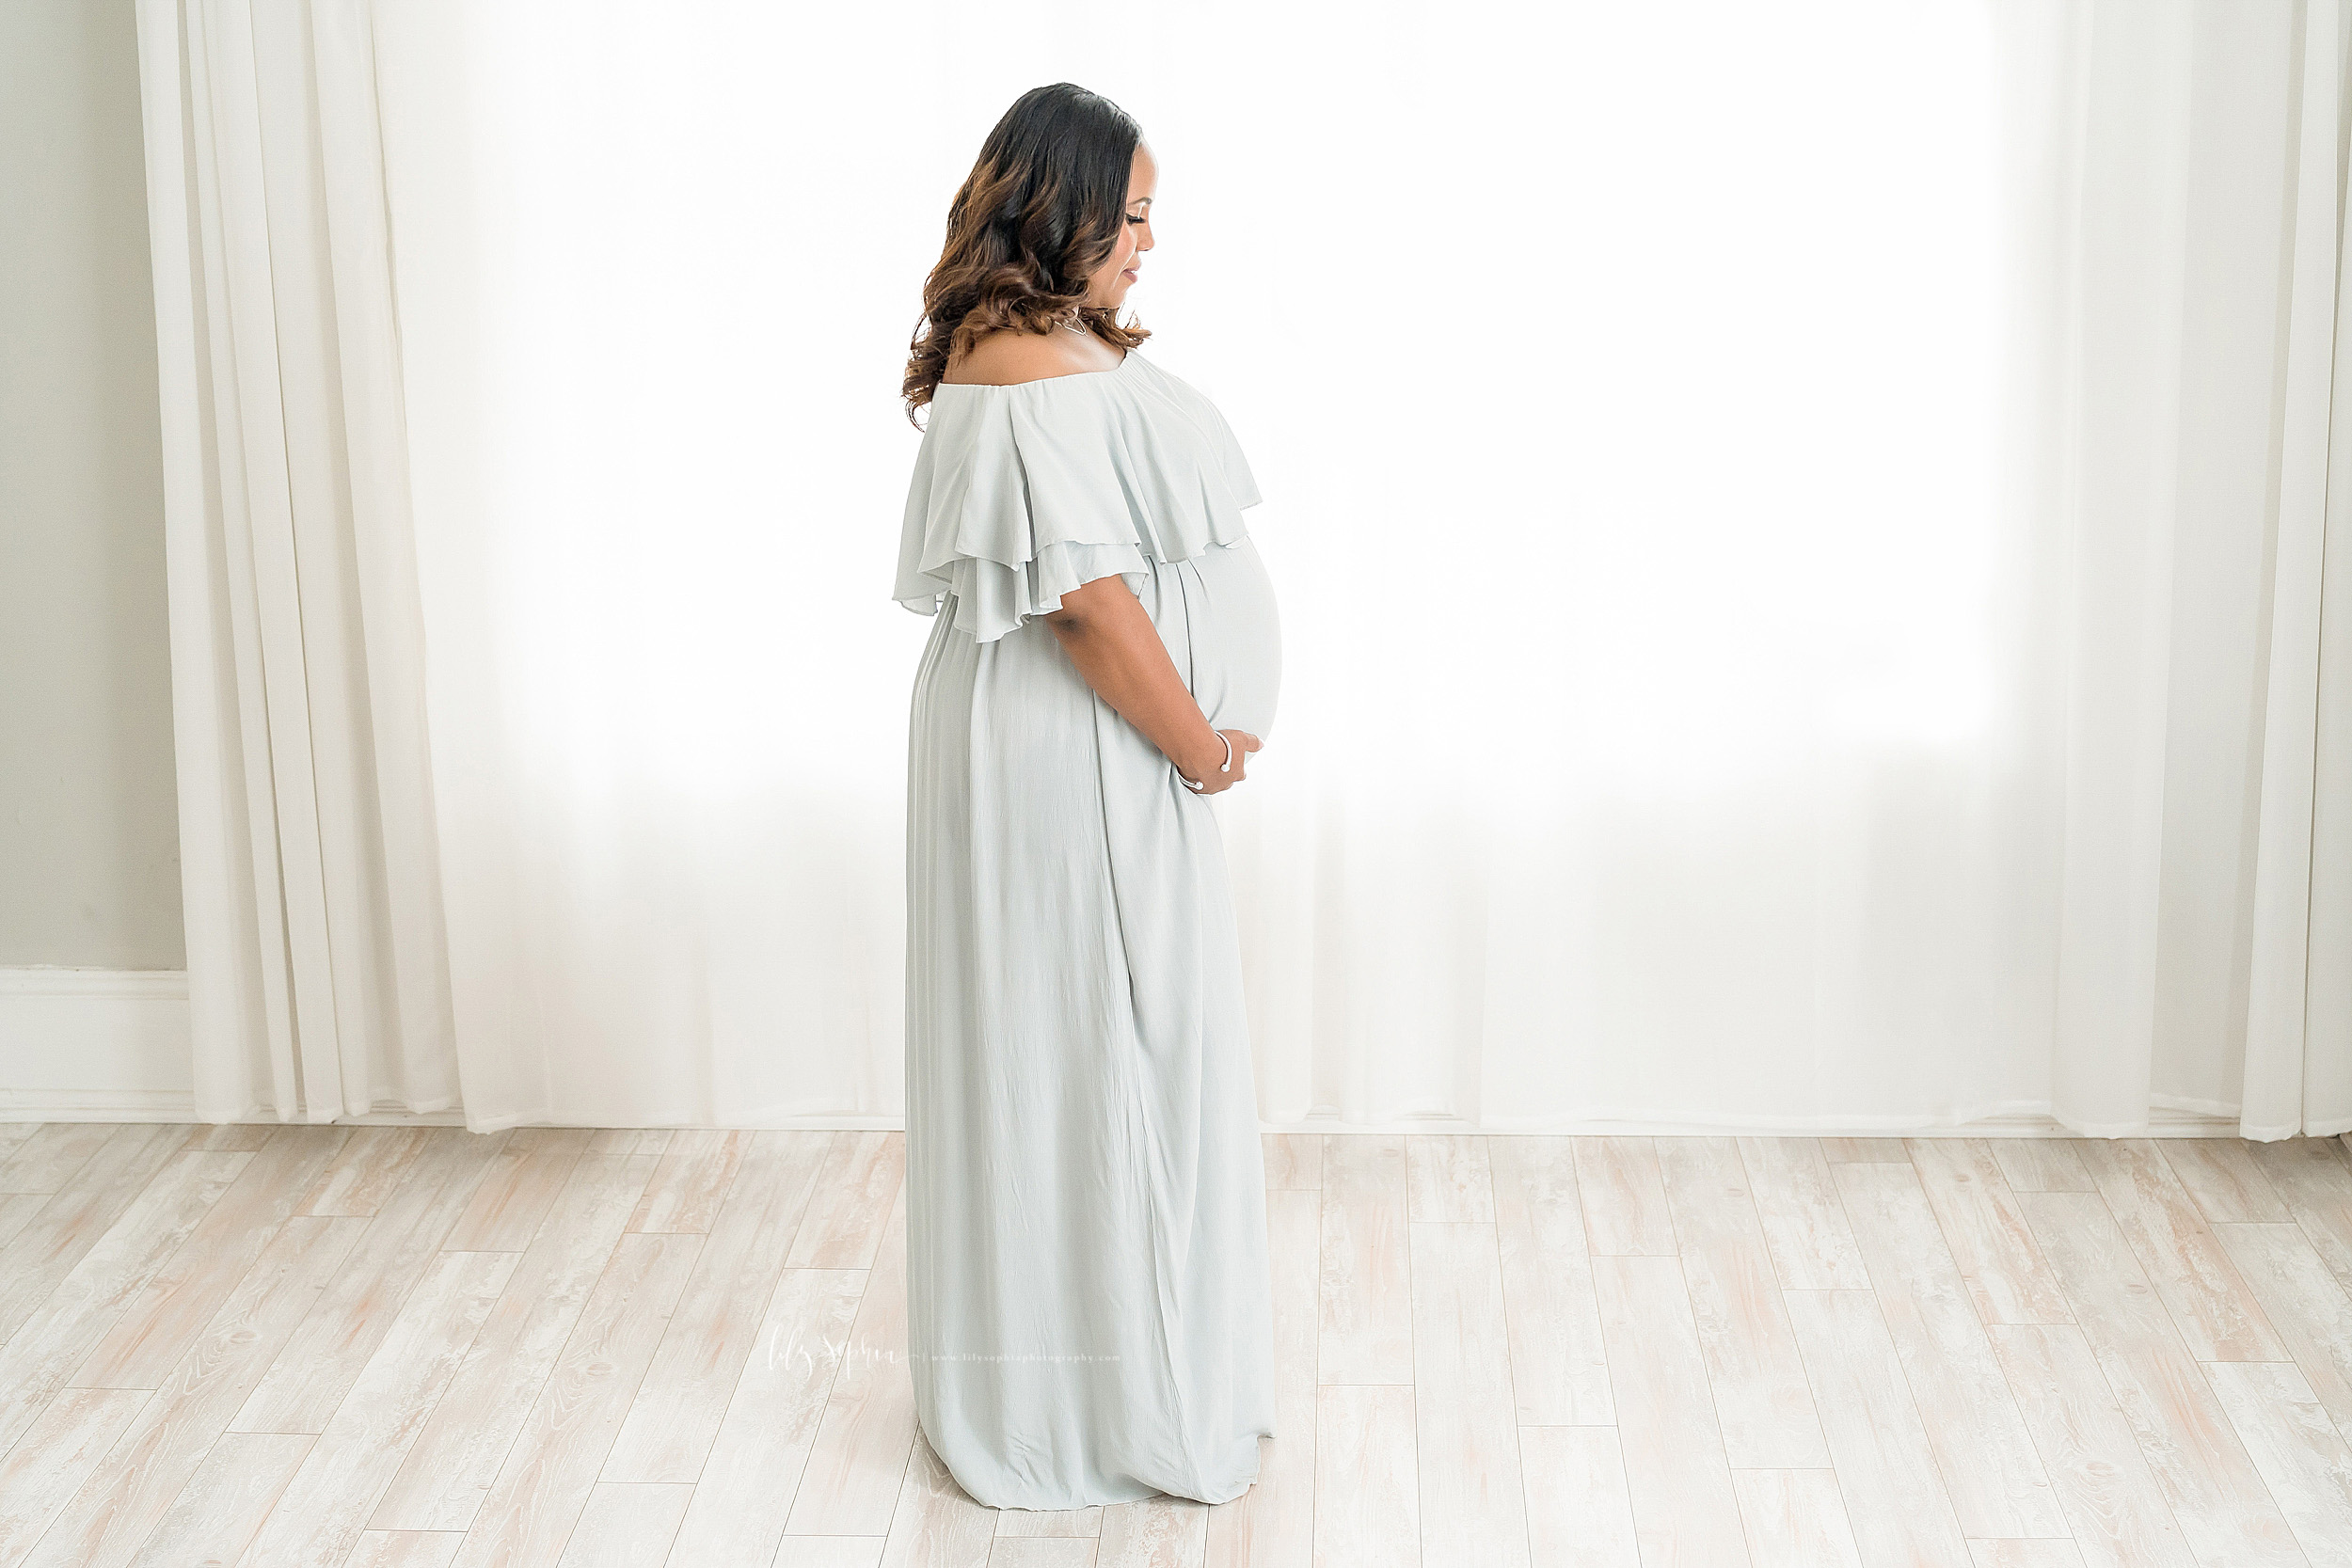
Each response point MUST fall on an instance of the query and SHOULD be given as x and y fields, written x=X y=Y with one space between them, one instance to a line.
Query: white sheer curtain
x=1800 y=536
x=317 y=984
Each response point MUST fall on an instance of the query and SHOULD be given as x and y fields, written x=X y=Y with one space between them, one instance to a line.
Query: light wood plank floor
x=384 y=1347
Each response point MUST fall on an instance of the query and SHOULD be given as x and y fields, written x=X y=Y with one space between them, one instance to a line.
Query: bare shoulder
x=1008 y=357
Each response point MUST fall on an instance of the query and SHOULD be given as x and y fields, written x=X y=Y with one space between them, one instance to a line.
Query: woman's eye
x=1134 y=219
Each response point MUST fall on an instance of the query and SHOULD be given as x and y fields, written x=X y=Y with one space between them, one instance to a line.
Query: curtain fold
x=2196 y=330
x=1875 y=670
x=2298 y=1026
x=316 y=977
x=2118 y=263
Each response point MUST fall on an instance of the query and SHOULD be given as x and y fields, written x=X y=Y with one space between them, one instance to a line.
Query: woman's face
x=1107 y=285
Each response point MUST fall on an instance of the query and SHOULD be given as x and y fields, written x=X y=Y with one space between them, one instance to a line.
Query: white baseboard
x=38 y=1105
x=114 y=1045
x=95 y=1045
x=2163 y=1122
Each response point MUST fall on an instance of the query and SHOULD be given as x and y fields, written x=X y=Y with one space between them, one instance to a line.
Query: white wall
x=89 y=862
x=92 y=1007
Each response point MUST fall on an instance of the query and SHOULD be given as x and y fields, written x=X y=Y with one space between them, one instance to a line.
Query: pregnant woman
x=1088 y=1313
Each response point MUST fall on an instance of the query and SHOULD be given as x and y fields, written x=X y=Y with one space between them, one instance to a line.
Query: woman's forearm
x=1110 y=638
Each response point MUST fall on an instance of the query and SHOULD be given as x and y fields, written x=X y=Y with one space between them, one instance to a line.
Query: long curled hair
x=1040 y=210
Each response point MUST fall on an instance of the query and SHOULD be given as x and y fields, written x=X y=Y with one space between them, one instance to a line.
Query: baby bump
x=1216 y=614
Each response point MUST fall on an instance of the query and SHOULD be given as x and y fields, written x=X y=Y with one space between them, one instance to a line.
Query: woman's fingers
x=1223 y=778
x=1245 y=744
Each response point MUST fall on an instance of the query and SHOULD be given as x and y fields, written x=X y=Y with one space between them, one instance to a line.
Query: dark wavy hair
x=1040 y=210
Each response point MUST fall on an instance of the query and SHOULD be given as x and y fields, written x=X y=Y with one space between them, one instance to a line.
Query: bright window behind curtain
x=1661 y=679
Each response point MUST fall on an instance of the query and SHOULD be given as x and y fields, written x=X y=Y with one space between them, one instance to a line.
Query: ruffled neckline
x=1017 y=498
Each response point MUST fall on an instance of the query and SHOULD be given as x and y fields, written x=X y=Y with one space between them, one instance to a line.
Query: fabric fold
x=1006 y=509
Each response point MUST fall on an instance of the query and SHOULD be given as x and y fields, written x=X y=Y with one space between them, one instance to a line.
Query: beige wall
x=89 y=857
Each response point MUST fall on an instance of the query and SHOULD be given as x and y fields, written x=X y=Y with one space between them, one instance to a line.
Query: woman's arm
x=1110 y=638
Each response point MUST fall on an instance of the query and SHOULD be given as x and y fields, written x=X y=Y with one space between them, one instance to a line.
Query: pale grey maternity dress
x=1089 y=1311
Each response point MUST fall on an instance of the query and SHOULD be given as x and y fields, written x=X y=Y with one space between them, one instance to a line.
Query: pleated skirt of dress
x=1089 y=1301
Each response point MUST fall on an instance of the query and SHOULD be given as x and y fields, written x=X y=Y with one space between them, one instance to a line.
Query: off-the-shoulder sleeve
x=1022 y=493
x=1238 y=478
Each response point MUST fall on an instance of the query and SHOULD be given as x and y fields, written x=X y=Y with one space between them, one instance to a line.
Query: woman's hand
x=1204 y=773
